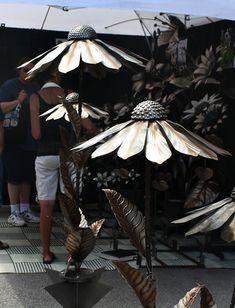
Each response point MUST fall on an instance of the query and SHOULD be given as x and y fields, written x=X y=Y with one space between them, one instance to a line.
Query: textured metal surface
x=72 y=97
x=81 y=33
x=149 y=110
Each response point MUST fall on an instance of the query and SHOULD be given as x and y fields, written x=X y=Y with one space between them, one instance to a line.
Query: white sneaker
x=28 y=216
x=16 y=220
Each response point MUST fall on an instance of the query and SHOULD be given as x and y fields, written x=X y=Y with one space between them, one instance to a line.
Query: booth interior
x=174 y=185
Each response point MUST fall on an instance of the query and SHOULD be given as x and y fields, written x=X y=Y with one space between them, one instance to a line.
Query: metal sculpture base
x=77 y=290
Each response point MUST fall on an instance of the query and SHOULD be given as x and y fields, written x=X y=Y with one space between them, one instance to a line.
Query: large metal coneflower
x=149 y=130
x=83 y=48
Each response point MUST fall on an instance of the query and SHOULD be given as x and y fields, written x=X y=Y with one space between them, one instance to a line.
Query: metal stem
x=148 y=217
x=232 y=305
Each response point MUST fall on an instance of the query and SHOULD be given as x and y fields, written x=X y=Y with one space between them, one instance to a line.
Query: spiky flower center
x=149 y=110
x=82 y=33
x=72 y=98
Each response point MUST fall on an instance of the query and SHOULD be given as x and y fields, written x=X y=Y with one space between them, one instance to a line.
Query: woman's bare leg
x=46 y=210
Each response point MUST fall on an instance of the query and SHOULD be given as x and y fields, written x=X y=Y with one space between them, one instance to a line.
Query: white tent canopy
x=111 y=17
x=211 y=8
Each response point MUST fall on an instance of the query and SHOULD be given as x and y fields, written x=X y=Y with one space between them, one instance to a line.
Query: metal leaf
x=74 y=118
x=181 y=82
x=70 y=210
x=65 y=170
x=129 y=218
x=189 y=298
x=228 y=232
x=80 y=243
x=143 y=286
x=202 y=193
x=96 y=226
x=206 y=299
x=204 y=174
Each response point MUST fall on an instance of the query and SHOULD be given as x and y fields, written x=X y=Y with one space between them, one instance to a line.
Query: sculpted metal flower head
x=218 y=214
x=149 y=130
x=83 y=47
x=60 y=111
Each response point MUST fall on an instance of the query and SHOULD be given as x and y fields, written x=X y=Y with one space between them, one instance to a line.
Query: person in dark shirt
x=17 y=145
x=47 y=164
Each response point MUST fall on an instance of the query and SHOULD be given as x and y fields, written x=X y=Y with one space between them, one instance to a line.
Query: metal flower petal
x=150 y=130
x=218 y=214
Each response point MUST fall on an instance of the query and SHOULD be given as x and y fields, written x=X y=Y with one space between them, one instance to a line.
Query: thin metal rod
x=44 y=20
x=232 y=305
x=148 y=222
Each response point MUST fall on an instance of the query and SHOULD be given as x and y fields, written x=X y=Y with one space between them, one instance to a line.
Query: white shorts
x=47 y=177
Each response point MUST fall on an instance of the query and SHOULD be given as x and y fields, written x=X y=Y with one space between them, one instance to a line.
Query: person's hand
x=21 y=96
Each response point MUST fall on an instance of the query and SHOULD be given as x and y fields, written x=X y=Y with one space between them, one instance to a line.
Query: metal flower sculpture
x=219 y=214
x=83 y=48
x=150 y=130
x=208 y=113
x=60 y=111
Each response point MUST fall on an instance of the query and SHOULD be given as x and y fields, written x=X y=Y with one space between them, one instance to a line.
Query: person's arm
x=1 y=137
x=34 y=116
x=10 y=105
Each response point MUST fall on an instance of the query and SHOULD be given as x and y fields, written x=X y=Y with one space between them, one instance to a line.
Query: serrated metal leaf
x=129 y=218
x=96 y=226
x=206 y=299
x=143 y=286
x=80 y=243
x=188 y=299
x=74 y=118
x=201 y=194
x=70 y=210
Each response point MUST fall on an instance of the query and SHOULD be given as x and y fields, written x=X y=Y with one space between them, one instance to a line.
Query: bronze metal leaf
x=73 y=243
x=189 y=297
x=203 y=192
x=74 y=118
x=65 y=170
x=70 y=210
x=228 y=231
x=96 y=226
x=87 y=243
x=143 y=286
x=129 y=218
x=80 y=243
x=206 y=299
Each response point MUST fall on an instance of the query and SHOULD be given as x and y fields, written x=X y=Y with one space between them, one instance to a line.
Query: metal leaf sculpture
x=74 y=118
x=207 y=300
x=68 y=173
x=96 y=226
x=80 y=243
x=218 y=214
x=70 y=211
x=129 y=218
x=202 y=193
x=189 y=297
x=143 y=286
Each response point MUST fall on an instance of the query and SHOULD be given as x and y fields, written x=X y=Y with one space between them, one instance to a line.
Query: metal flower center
x=149 y=110
x=72 y=98
x=82 y=33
